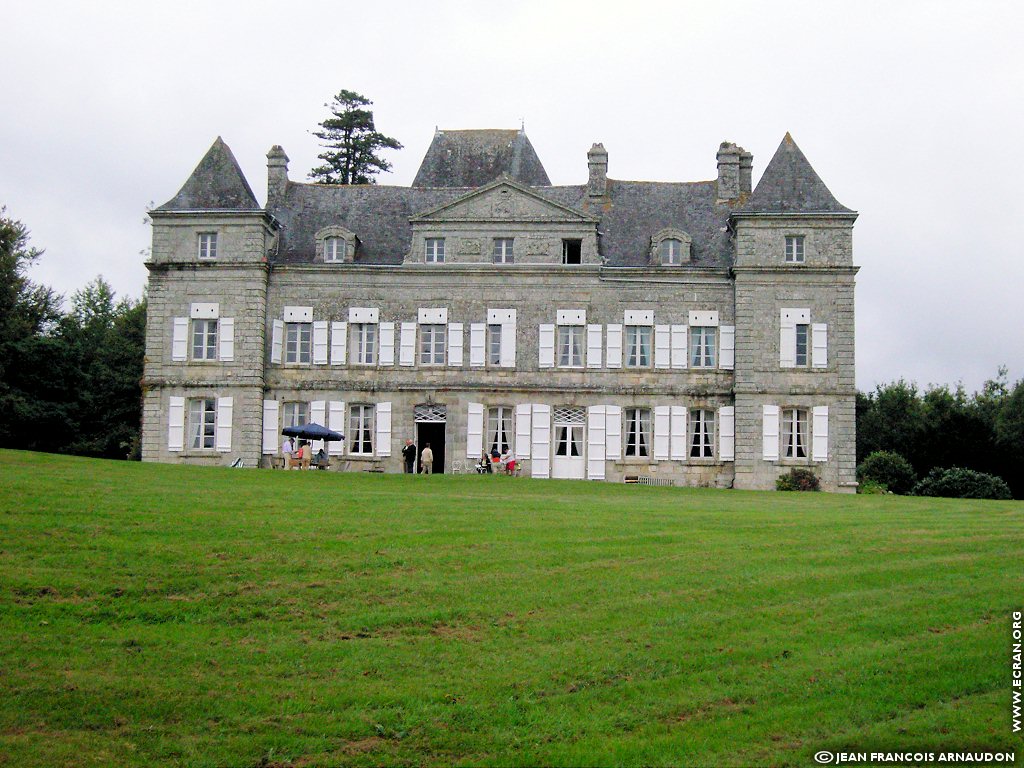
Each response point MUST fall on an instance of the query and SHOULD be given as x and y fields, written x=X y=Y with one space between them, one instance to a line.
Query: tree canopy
x=351 y=142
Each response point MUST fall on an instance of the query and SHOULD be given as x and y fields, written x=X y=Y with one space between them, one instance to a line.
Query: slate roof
x=217 y=183
x=474 y=158
x=790 y=185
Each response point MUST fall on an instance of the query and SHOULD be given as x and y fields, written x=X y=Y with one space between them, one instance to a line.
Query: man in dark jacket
x=409 y=456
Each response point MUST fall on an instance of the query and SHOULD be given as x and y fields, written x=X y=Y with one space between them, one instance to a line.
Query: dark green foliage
x=960 y=483
x=69 y=382
x=888 y=469
x=351 y=143
x=798 y=479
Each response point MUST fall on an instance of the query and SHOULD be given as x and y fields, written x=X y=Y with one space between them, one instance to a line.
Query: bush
x=888 y=469
x=870 y=487
x=960 y=483
x=798 y=479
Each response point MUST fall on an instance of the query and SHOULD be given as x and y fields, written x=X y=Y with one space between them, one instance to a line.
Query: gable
x=503 y=201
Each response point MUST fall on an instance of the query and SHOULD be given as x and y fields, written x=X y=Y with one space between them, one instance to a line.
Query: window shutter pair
x=176 y=424
x=596 y=441
x=770 y=433
x=225 y=339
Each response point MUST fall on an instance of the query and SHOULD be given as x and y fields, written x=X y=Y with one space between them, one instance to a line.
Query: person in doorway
x=427 y=459
x=409 y=456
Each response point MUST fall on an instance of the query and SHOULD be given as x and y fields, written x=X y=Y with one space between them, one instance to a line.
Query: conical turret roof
x=790 y=185
x=216 y=184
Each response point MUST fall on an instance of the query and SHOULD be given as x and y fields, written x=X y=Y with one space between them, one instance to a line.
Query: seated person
x=321 y=458
x=484 y=465
x=495 y=455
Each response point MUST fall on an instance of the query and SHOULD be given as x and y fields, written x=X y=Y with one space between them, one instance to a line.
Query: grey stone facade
x=696 y=333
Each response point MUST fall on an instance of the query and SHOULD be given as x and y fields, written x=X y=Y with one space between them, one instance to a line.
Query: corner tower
x=794 y=285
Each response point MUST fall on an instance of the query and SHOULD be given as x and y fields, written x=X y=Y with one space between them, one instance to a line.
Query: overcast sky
x=911 y=112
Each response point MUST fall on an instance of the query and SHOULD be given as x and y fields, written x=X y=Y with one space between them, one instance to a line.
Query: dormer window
x=572 y=251
x=434 y=250
x=794 y=249
x=670 y=247
x=334 y=249
x=207 y=245
x=336 y=245
x=503 y=250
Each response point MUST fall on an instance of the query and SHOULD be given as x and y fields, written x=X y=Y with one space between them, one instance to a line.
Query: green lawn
x=162 y=615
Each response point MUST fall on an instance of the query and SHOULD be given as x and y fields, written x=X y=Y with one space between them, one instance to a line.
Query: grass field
x=161 y=615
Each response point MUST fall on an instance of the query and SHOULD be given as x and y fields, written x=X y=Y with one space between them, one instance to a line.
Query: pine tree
x=351 y=143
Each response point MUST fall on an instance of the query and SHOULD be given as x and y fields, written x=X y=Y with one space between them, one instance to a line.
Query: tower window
x=572 y=251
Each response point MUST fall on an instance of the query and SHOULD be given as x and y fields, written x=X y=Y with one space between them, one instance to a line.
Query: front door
x=430 y=427
x=569 y=461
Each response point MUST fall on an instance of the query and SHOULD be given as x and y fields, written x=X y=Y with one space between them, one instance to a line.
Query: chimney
x=597 y=161
x=746 y=171
x=277 y=173
x=728 y=171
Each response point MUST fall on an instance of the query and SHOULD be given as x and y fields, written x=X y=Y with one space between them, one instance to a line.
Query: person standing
x=409 y=456
x=287 y=450
x=427 y=459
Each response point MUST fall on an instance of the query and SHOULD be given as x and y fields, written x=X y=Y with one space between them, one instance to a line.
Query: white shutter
x=596 y=418
x=727 y=433
x=407 y=350
x=176 y=424
x=179 y=340
x=662 y=346
x=522 y=446
x=678 y=346
x=819 y=433
x=540 y=423
x=819 y=345
x=477 y=342
x=475 y=431
x=387 y=343
x=788 y=319
x=614 y=347
x=336 y=423
x=384 y=429
x=227 y=339
x=678 y=433
x=318 y=415
x=271 y=411
x=320 y=342
x=339 y=343
x=547 y=346
x=454 y=343
x=508 y=342
x=276 y=341
x=770 y=432
x=225 y=407
x=727 y=351
x=662 y=429
x=594 y=346
x=613 y=432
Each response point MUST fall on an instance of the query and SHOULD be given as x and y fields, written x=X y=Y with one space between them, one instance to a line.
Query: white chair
x=458 y=468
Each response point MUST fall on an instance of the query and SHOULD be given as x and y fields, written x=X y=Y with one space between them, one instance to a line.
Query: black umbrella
x=312 y=432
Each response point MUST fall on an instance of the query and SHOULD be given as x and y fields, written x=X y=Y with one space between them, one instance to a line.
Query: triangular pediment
x=503 y=200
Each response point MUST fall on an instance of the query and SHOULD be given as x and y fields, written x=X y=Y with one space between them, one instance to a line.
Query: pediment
x=502 y=200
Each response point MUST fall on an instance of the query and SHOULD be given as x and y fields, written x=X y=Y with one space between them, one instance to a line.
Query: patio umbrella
x=312 y=431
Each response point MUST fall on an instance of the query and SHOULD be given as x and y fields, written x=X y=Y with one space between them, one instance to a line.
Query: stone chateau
x=698 y=333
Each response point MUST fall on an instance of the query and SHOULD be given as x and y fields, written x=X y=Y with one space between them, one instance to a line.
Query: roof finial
x=522 y=124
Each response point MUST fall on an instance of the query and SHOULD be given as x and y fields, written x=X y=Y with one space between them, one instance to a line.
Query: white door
x=569 y=459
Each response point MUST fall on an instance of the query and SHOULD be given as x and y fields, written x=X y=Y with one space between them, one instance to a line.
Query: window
x=638 y=346
x=434 y=253
x=702 y=433
x=801 y=344
x=503 y=250
x=494 y=344
x=360 y=430
x=794 y=433
x=298 y=342
x=499 y=427
x=794 y=249
x=671 y=250
x=204 y=339
x=570 y=346
x=334 y=249
x=294 y=414
x=572 y=251
x=202 y=422
x=432 y=344
x=638 y=431
x=702 y=346
x=207 y=245
x=364 y=343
